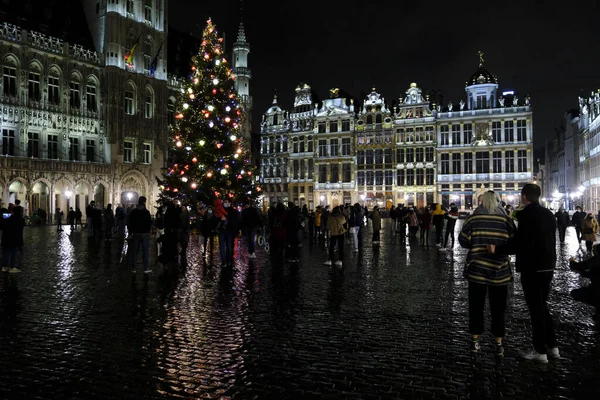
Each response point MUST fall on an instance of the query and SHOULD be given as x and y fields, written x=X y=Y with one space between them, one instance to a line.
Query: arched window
x=369 y=119
x=148 y=102
x=171 y=111
x=75 y=92
x=33 y=82
x=54 y=86
x=91 y=98
x=275 y=119
x=129 y=102
x=9 y=72
x=378 y=119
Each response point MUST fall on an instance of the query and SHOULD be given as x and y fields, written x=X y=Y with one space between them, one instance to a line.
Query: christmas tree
x=208 y=158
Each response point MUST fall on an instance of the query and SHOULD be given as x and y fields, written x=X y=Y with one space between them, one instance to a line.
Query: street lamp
x=68 y=193
x=511 y=198
x=362 y=197
x=129 y=197
x=582 y=188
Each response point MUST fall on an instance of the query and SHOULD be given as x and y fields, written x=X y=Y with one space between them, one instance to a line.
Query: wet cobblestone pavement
x=391 y=324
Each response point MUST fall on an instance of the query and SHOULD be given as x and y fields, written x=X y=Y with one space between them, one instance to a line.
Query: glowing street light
x=68 y=193
x=129 y=196
x=362 y=197
x=322 y=198
x=582 y=188
x=511 y=198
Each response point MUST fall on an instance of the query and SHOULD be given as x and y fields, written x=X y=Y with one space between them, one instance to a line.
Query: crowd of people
x=492 y=233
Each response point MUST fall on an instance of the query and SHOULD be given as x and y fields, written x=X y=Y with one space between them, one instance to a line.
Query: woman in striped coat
x=487 y=272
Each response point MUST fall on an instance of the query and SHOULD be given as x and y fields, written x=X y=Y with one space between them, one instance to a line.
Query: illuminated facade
x=486 y=142
x=334 y=151
x=418 y=153
x=415 y=141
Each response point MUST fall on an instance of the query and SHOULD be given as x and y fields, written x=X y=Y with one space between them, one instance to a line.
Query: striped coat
x=478 y=231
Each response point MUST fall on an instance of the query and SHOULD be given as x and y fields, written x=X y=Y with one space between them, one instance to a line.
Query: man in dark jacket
x=251 y=221
x=577 y=219
x=562 y=220
x=227 y=233
x=535 y=247
x=451 y=217
x=140 y=224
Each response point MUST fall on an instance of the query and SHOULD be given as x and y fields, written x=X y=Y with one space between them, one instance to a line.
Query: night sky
x=545 y=50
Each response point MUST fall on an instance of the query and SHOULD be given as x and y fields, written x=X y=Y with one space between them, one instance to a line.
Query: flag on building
x=154 y=62
x=129 y=56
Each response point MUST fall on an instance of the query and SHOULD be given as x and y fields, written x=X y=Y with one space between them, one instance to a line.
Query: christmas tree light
x=208 y=157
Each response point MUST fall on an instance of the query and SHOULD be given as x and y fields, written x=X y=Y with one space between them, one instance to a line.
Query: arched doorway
x=40 y=198
x=100 y=195
x=132 y=187
x=17 y=191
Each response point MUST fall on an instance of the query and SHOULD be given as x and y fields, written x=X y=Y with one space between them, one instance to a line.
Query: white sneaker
x=535 y=356
x=328 y=262
x=4 y=269
x=338 y=263
x=14 y=270
x=442 y=249
x=251 y=255
x=553 y=352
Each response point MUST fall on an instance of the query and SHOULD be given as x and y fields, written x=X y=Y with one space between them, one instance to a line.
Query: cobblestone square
x=390 y=324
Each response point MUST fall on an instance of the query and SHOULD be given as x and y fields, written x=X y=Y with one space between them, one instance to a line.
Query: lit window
x=128 y=152
x=147 y=153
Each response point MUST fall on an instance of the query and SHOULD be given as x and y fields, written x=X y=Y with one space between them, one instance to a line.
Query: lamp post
x=68 y=195
x=129 y=197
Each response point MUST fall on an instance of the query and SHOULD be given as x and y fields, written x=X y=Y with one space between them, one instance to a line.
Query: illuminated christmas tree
x=208 y=158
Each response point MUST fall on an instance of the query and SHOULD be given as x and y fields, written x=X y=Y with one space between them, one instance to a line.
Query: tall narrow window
x=410 y=155
x=429 y=154
x=420 y=154
x=468 y=163
x=509 y=161
x=147 y=153
x=509 y=132
x=129 y=6
x=90 y=150
x=74 y=149
x=33 y=87
x=346 y=147
x=389 y=178
x=420 y=177
x=295 y=169
x=128 y=152
x=522 y=160
x=8 y=142
x=333 y=127
x=171 y=112
x=467 y=133
x=456 y=163
x=521 y=130
x=53 y=96
x=482 y=162
x=399 y=156
x=129 y=110
x=322 y=173
x=335 y=173
x=444 y=135
x=90 y=94
x=497 y=163
x=148 y=104
x=360 y=178
x=333 y=147
x=429 y=176
x=410 y=177
x=322 y=148
x=33 y=145
x=496 y=132
x=379 y=178
x=74 y=95
x=311 y=169
x=455 y=134
x=400 y=178
x=347 y=172
x=147 y=11
x=9 y=81
x=53 y=147
x=301 y=144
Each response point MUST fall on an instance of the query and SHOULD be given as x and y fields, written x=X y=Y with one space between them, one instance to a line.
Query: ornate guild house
x=415 y=153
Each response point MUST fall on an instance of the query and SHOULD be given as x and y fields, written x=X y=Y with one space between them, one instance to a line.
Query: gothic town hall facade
x=416 y=152
x=86 y=100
